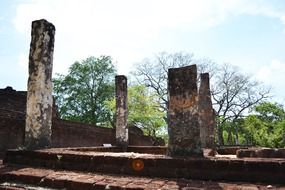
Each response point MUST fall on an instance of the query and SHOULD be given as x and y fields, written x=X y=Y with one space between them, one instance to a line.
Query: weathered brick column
x=39 y=95
x=183 y=117
x=122 y=136
x=206 y=113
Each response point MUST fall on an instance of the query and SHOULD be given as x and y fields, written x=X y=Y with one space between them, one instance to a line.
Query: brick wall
x=13 y=100
x=12 y=129
x=69 y=134
x=64 y=133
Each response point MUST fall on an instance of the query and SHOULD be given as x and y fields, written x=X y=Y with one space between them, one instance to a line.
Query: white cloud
x=126 y=29
x=273 y=75
x=145 y=17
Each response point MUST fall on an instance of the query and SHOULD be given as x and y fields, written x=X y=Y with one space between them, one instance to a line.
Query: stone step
x=150 y=165
x=261 y=153
x=47 y=179
x=21 y=186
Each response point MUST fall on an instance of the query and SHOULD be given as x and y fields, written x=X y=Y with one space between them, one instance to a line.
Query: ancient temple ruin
x=86 y=164
x=190 y=114
x=191 y=119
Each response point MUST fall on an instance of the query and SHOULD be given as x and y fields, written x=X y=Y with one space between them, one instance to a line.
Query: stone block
x=122 y=135
x=183 y=116
x=39 y=94
x=206 y=113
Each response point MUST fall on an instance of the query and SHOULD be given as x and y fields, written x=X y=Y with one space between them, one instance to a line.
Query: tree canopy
x=81 y=94
x=153 y=72
x=87 y=94
x=233 y=92
x=266 y=126
x=143 y=110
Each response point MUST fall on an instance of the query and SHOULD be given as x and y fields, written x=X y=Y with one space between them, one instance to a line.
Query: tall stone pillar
x=122 y=136
x=183 y=117
x=206 y=112
x=39 y=95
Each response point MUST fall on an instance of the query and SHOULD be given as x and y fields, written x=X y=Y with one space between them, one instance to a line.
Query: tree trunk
x=230 y=137
x=220 y=136
x=236 y=136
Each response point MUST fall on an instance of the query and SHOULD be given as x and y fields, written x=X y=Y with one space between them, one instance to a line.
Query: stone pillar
x=183 y=117
x=122 y=135
x=39 y=95
x=206 y=113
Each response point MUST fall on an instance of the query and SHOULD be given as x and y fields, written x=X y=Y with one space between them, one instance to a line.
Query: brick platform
x=59 y=179
x=255 y=170
x=261 y=153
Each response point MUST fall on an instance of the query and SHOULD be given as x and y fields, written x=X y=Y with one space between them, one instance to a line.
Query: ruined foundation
x=178 y=166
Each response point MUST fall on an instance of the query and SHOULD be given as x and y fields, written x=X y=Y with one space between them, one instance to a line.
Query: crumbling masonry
x=39 y=95
x=190 y=115
x=122 y=136
x=206 y=113
x=183 y=116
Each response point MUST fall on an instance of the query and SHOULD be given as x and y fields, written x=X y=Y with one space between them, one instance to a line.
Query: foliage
x=233 y=92
x=80 y=95
x=153 y=72
x=86 y=94
x=267 y=126
x=143 y=110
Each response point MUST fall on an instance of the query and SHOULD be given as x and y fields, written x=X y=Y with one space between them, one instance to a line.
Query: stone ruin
x=39 y=96
x=191 y=119
x=35 y=108
x=183 y=115
x=122 y=135
x=190 y=115
x=191 y=123
x=65 y=133
x=207 y=115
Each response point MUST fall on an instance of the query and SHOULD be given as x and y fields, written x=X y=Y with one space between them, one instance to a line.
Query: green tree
x=143 y=111
x=233 y=92
x=266 y=127
x=81 y=94
x=153 y=72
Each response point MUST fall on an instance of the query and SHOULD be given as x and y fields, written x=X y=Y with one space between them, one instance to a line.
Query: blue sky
x=247 y=33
